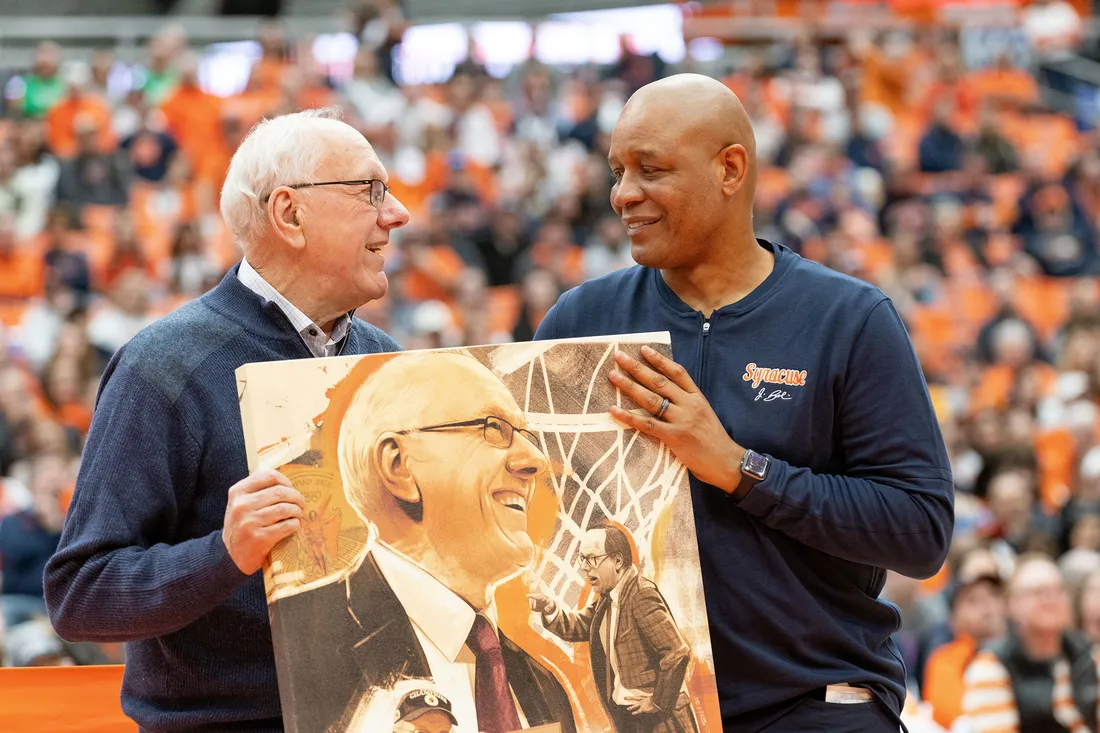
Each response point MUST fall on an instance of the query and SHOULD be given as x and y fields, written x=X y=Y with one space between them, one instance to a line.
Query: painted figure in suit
x=640 y=660
x=434 y=455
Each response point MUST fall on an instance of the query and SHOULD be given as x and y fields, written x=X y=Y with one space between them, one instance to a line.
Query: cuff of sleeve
x=550 y=618
x=223 y=570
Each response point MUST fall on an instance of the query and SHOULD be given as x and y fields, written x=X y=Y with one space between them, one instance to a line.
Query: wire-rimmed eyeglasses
x=496 y=430
x=377 y=188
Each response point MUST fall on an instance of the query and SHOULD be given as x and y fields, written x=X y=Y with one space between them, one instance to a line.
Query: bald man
x=433 y=453
x=167 y=531
x=798 y=405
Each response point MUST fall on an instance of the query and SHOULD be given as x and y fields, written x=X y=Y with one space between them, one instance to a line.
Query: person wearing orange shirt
x=79 y=105
x=21 y=271
x=195 y=121
x=977 y=617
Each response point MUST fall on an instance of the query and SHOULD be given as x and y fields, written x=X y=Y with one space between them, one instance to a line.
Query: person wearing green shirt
x=44 y=86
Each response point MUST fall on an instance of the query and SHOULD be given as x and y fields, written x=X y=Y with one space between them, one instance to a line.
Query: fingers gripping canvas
x=483 y=548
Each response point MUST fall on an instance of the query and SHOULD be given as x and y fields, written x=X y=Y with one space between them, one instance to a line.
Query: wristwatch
x=754 y=468
x=755 y=465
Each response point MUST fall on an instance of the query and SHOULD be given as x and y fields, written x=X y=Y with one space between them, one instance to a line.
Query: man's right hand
x=541 y=604
x=263 y=509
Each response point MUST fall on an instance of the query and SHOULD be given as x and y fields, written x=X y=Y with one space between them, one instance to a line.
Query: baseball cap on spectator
x=972 y=573
x=420 y=702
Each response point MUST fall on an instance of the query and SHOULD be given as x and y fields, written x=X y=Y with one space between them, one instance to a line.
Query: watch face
x=756 y=464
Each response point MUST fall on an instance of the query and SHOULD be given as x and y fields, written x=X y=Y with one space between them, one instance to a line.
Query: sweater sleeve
x=114 y=576
x=893 y=506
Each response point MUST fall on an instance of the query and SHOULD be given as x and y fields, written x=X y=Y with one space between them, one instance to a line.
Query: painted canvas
x=484 y=548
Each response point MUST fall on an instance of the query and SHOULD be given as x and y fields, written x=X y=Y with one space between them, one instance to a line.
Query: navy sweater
x=141 y=558
x=814 y=369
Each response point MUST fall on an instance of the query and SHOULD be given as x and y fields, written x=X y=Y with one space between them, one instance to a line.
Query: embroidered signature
x=777 y=394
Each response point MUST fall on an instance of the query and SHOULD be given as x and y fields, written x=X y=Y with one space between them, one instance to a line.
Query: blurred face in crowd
x=1090 y=608
x=15 y=399
x=102 y=63
x=979 y=611
x=47 y=59
x=7 y=234
x=1037 y=599
x=1009 y=497
x=64 y=381
x=1085 y=534
x=1012 y=344
x=680 y=176
x=50 y=477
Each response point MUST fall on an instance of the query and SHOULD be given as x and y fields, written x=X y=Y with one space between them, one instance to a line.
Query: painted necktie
x=492 y=696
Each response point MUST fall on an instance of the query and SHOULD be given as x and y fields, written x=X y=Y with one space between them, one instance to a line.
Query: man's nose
x=626 y=192
x=393 y=214
x=525 y=459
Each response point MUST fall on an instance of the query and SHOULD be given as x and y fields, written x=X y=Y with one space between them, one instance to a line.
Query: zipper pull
x=706 y=326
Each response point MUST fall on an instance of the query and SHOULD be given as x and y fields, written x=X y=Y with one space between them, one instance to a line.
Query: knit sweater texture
x=141 y=558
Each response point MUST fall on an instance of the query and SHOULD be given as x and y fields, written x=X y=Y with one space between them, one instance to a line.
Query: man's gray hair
x=276 y=152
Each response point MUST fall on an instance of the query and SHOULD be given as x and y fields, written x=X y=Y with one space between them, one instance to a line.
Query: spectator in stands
x=92 y=176
x=150 y=150
x=1054 y=30
x=65 y=257
x=161 y=75
x=166 y=533
x=102 y=66
x=1042 y=675
x=607 y=249
x=1087 y=609
x=998 y=153
x=43 y=87
x=942 y=148
x=1057 y=238
x=379 y=25
x=373 y=95
x=190 y=270
x=35 y=179
x=977 y=604
x=124 y=315
x=27 y=540
x=80 y=113
x=541 y=289
x=20 y=268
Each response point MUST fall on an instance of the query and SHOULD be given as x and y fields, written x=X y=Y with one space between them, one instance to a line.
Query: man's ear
x=287 y=218
x=735 y=161
x=393 y=469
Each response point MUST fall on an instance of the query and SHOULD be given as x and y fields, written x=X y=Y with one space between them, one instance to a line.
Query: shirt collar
x=302 y=323
x=443 y=617
x=618 y=589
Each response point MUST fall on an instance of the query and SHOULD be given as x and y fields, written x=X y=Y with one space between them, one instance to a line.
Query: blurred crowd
x=956 y=190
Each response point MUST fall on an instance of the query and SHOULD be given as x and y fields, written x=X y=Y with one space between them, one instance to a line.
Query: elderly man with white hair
x=167 y=531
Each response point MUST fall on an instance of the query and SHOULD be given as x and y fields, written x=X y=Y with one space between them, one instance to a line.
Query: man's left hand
x=689 y=426
x=641 y=704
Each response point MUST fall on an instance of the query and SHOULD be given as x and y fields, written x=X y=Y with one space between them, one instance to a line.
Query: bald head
x=697 y=109
x=684 y=158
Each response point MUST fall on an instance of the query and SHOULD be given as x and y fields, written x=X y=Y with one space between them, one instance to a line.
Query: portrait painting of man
x=471 y=486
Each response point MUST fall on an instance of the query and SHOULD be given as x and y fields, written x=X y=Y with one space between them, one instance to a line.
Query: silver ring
x=664 y=407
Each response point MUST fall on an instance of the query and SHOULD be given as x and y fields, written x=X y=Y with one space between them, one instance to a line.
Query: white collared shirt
x=442 y=622
x=310 y=332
